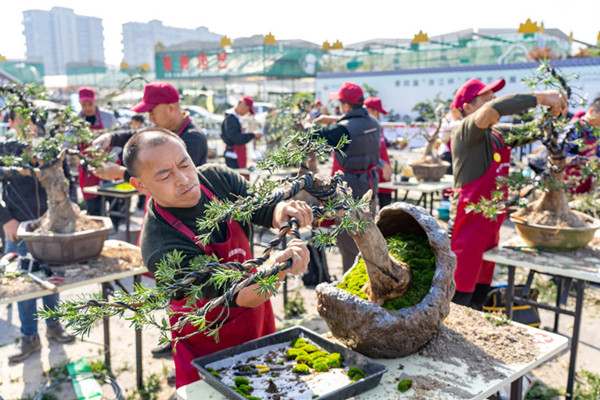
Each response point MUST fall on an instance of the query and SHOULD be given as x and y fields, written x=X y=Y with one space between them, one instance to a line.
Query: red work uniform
x=243 y=324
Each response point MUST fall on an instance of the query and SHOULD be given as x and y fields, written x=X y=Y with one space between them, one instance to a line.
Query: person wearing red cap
x=161 y=102
x=233 y=135
x=162 y=170
x=98 y=119
x=481 y=154
x=375 y=109
x=358 y=159
x=582 y=130
x=316 y=110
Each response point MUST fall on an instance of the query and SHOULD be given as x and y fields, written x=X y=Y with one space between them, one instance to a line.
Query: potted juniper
x=62 y=234
x=549 y=221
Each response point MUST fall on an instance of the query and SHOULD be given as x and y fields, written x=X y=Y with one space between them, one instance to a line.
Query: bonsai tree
x=389 y=278
x=42 y=157
x=430 y=167
x=552 y=207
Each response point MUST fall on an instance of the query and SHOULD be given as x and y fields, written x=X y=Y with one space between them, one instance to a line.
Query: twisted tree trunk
x=388 y=277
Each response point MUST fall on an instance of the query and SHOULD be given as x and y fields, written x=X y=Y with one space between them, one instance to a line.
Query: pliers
x=255 y=369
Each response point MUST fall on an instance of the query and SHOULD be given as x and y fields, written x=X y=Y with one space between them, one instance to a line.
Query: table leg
x=106 y=325
x=431 y=203
x=558 y=293
x=127 y=215
x=580 y=285
x=139 y=373
x=516 y=389
x=510 y=291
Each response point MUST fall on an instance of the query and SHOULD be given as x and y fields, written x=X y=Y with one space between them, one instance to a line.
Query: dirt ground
x=24 y=380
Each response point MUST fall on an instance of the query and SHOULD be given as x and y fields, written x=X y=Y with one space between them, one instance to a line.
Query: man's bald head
x=146 y=138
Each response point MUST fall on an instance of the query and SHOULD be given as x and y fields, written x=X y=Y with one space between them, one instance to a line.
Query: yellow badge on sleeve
x=496 y=157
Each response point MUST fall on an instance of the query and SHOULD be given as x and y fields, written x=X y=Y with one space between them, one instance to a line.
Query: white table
x=34 y=291
x=549 y=344
x=581 y=266
x=425 y=188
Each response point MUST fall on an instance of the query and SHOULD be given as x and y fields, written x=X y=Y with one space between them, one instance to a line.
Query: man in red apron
x=98 y=120
x=358 y=160
x=583 y=128
x=375 y=109
x=162 y=169
x=161 y=101
x=480 y=154
x=233 y=135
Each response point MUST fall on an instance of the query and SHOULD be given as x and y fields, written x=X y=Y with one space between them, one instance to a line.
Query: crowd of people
x=167 y=163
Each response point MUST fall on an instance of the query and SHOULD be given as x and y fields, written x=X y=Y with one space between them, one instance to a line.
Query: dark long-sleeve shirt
x=159 y=238
x=231 y=131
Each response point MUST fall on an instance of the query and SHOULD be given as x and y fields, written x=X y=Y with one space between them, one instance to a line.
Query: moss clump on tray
x=412 y=249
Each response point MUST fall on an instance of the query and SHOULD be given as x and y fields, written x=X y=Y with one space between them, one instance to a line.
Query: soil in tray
x=284 y=383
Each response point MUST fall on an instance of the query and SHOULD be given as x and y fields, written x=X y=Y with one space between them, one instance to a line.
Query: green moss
x=253 y=398
x=214 y=373
x=240 y=380
x=304 y=359
x=355 y=373
x=246 y=389
x=404 y=385
x=321 y=366
x=293 y=353
x=298 y=343
x=334 y=360
x=301 y=369
x=318 y=354
x=310 y=348
x=417 y=253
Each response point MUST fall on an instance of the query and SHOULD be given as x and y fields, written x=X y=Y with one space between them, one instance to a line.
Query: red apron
x=240 y=150
x=243 y=324
x=383 y=154
x=473 y=234
x=580 y=186
x=86 y=178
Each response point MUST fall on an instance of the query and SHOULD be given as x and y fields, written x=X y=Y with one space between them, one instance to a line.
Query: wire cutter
x=255 y=369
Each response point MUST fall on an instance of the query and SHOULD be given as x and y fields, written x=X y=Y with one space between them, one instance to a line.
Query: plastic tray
x=351 y=358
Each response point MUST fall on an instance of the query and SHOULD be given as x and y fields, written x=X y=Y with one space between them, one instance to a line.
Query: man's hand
x=298 y=252
x=554 y=99
x=109 y=171
x=102 y=142
x=288 y=209
x=10 y=230
x=326 y=119
x=386 y=172
x=257 y=135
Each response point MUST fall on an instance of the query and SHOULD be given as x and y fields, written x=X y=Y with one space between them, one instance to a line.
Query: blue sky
x=349 y=21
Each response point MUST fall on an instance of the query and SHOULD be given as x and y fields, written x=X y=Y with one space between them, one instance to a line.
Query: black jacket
x=194 y=139
x=231 y=131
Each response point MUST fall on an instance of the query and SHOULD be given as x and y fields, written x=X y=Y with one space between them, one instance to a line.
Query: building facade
x=139 y=40
x=59 y=36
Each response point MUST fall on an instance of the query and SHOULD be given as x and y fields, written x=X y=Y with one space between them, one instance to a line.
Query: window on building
x=450 y=81
x=407 y=83
x=441 y=82
x=512 y=79
x=416 y=82
x=431 y=82
x=397 y=83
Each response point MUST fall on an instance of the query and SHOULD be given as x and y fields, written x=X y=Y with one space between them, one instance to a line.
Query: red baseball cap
x=156 y=93
x=350 y=93
x=249 y=102
x=86 y=93
x=318 y=103
x=374 y=103
x=473 y=88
